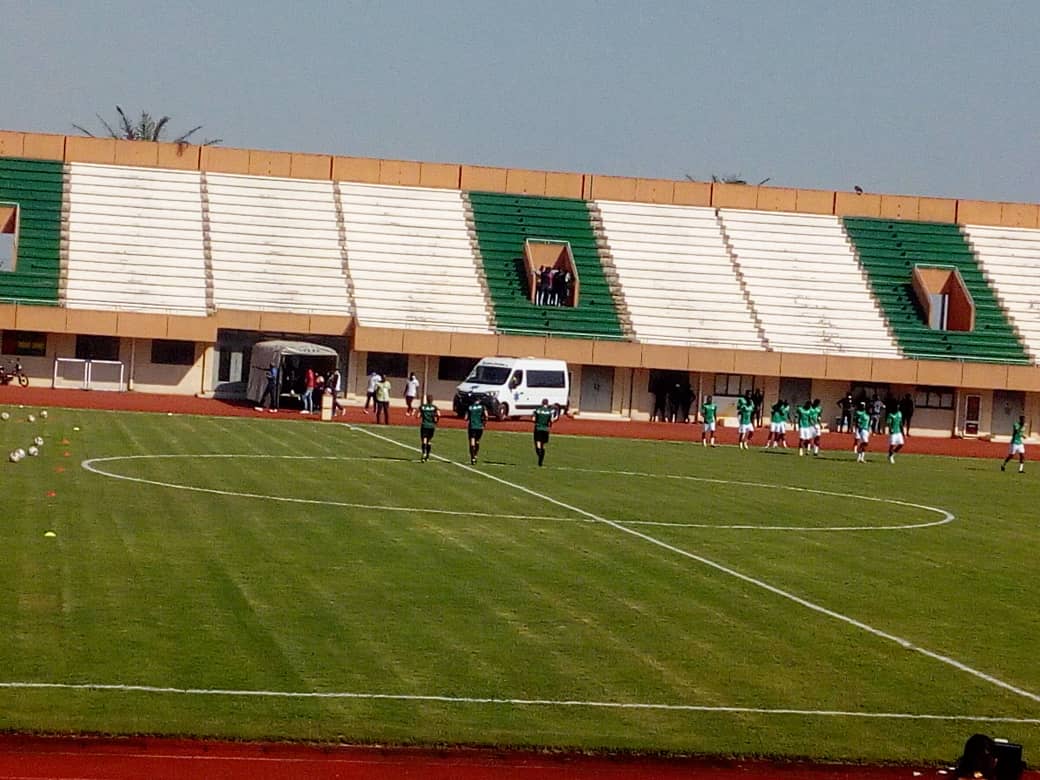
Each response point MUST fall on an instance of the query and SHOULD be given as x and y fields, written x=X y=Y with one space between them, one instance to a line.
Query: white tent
x=281 y=353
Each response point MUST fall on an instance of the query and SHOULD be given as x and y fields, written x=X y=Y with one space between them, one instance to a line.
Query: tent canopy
x=267 y=353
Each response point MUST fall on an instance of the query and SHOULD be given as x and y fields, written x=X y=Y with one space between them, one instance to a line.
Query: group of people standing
x=314 y=384
x=553 y=286
x=877 y=411
x=378 y=391
x=808 y=420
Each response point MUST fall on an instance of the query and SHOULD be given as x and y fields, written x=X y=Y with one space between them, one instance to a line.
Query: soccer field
x=248 y=578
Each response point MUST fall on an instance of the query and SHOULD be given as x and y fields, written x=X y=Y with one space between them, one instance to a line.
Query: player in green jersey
x=709 y=414
x=817 y=422
x=894 y=421
x=861 y=424
x=1018 y=445
x=476 y=417
x=778 y=424
x=543 y=420
x=803 y=417
x=429 y=416
x=745 y=426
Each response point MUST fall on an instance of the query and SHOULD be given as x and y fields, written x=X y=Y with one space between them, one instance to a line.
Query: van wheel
x=502 y=411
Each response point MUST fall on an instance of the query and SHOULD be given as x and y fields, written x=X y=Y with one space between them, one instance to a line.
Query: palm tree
x=731 y=179
x=145 y=128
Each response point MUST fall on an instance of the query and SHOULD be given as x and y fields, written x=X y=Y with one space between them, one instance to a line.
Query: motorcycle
x=18 y=374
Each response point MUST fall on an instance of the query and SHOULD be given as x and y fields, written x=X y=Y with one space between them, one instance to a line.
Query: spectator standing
x=758 y=399
x=906 y=406
x=310 y=380
x=383 y=400
x=429 y=416
x=269 y=398
x=332 y=387
x=845 y=405
x=877 y=411
x=411 y=392
x=370 y=391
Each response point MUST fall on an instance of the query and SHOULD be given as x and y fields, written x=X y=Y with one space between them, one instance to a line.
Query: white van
x=514 y=387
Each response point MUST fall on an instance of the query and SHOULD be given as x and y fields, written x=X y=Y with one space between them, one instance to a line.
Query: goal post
x=80 y=374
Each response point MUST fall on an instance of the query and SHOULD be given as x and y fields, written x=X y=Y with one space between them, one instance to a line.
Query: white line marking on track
x=90 y=465
x=492 y=700
x=947 y=517
x=906 y=644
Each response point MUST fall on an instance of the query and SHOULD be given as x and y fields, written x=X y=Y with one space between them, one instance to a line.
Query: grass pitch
x=259 y=578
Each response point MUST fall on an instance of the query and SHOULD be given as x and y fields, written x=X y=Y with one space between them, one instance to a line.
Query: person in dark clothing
x=757 y=398
x=269 y=398
x=906 y=406
x=846 y=405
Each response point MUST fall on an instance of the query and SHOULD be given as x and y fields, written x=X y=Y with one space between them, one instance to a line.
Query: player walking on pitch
x=817 y=424
x=429 y=416
x=862 y=424
x=476 y=418
x=894 y=421
x=543 y=420
x=1018 y=445
x=745 y=427
x=803 y=417
x=709 y=412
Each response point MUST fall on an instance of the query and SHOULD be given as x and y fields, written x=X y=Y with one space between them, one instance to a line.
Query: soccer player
x=817 y=422
x=1018 y=446
x=476 y=417
x=777 y=424
x=803 y=416
x=709 y=411
x=894 y=421
x=429 y=416
x=543 y=420
x=862 y=426
x=745 y=426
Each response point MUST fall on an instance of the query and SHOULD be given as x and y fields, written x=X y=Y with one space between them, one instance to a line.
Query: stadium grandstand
x=169 y=262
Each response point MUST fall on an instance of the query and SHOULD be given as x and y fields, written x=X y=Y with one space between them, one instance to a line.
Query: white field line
x=490 y=700
x=91 y=465
x=906 y=644
x=947 y=517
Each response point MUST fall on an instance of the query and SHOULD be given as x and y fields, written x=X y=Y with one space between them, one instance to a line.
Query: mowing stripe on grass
x=612 y=705
x=906 y=644
x=947 y=517
x=91 y=465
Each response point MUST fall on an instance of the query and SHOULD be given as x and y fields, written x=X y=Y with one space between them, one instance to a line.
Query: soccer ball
x=15 y=456
x=38 y=441
x=5 y=416
x=43 y=414
x=31 y=418
x=34 y=451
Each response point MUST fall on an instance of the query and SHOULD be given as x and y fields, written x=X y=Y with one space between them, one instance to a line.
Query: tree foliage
x=143 y=128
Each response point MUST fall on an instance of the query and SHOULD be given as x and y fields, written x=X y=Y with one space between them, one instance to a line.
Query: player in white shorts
x=862 y=423
x=1017 y=446
x=895 y=433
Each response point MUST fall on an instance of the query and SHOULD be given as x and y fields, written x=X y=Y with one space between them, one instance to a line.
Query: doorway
x=597 y=389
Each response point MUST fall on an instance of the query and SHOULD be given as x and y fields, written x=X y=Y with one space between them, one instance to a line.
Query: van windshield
x=489 y=375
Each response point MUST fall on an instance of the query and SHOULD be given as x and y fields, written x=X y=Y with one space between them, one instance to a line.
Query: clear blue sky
x=932 y=98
